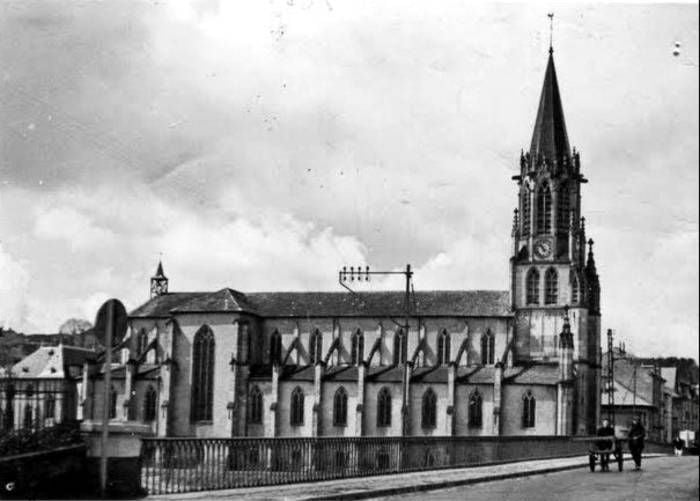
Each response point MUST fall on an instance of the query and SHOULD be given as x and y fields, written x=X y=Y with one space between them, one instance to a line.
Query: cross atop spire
x=551 y=30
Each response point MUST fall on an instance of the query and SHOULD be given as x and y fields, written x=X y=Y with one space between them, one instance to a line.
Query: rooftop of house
x=51 y=362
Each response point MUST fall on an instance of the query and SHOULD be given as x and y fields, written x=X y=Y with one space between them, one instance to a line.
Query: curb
x=392 y=491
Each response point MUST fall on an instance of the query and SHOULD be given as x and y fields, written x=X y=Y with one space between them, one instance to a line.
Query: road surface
x=665 y=478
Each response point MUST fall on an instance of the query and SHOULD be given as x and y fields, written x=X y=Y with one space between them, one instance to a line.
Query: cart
x=598 y=447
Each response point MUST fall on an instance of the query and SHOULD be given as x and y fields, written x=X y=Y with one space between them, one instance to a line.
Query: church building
x=522 y=361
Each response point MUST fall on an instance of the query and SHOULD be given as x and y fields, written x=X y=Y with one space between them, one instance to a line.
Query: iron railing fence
x=36 y=403
x=176 y=465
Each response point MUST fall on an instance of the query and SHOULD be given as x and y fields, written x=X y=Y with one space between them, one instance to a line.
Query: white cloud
x=14 y=281
x=261 y=145
x=79 y=230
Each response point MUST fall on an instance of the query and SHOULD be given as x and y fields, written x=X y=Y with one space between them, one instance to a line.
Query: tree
x=74 y=326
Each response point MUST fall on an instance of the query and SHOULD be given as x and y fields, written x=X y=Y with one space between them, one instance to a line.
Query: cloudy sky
x=262 y=145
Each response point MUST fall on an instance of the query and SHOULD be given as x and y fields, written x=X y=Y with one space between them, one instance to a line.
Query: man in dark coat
x=605 y=431
x=678 y=446
x=636 y=441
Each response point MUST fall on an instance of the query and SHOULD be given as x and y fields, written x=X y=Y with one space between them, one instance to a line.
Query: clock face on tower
x=543 y=249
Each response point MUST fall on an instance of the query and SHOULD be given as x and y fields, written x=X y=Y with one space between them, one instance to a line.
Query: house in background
x=638 y=389
x=44 y=388
x=682 y=406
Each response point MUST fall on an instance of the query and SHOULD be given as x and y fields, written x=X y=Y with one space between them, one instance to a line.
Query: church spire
x=159 y=270
x=549 y=138
x=159 y=282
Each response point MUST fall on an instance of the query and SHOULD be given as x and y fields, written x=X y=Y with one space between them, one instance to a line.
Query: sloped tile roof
x=325 y=304
x=51 y=361
x=537 y=374
x=161 y=306
x=225 y=300
x=297 y=373
x=463 y=373
x=346 y=373
x=482 y=375
x=625 y=396
x=384 y=374
x=430 y=375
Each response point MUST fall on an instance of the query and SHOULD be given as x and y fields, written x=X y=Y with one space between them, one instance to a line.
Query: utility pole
x=610 y=377
x=634 y=389
x=360 y=274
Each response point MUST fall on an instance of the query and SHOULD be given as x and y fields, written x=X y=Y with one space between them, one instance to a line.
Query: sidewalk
x=385 y=485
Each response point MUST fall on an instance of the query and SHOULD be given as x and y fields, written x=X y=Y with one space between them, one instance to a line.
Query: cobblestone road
x=664 y=478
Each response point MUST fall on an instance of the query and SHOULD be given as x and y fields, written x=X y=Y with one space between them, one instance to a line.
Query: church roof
x=322 y=304
x=549 y=137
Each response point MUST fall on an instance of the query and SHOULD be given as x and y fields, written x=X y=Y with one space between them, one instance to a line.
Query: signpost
x=110 y=328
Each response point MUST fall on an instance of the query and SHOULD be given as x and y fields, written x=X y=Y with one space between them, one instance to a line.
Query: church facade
x=523 y=361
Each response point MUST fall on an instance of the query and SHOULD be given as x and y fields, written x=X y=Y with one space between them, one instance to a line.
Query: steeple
x=159 y=270
x=159 y=282
x=549 y=138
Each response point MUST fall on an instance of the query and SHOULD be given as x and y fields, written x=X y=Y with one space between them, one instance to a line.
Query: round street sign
x=119 y=316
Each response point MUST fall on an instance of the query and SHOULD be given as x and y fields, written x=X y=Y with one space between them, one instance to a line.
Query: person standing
x=605 y=431
x=678 y=446
x=636 y=442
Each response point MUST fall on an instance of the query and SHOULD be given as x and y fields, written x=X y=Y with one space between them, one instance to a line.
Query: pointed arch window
x=276 y=348
x=575 y=289
x=203 y=374
x=112 y=402
x=564 y=203
x=544 y=210
x=357 y=351
x=532 y=285
x=551 y=288
x=315 y=347
x=429 y=409
x=141 y=342
x=255 y=406
x=296 y=413
x=400 y=349
x=488 y=345
x=475 y=418
x=383 y=408
x=150 y=403
x=443 y=348
x=526 y=212
x=528 y=410
x=340 y=407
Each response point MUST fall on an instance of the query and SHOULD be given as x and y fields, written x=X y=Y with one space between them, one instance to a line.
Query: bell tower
x=550 y=274
x=159 y=282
